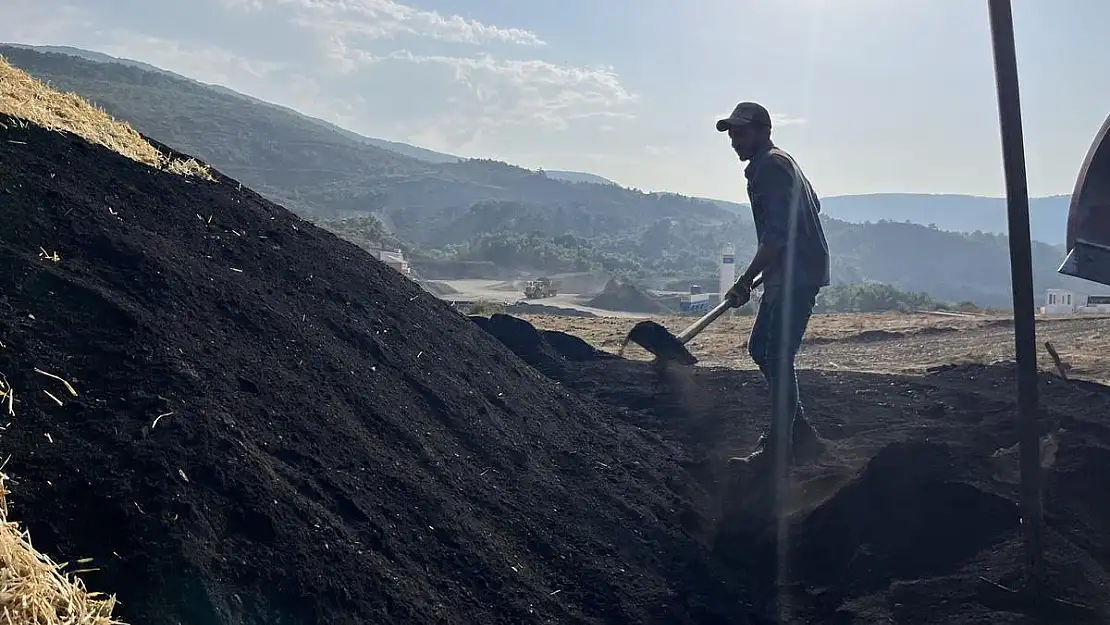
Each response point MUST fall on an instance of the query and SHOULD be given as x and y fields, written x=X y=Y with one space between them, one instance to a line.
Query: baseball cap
x=745 y=113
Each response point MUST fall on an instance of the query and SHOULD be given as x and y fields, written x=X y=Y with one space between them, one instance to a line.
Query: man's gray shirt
x=786 y=212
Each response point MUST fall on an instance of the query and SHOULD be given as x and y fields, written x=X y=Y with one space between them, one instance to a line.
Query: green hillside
x=481 y=210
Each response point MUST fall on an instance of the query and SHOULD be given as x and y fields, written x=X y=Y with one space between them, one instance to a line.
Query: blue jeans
x=776 y=337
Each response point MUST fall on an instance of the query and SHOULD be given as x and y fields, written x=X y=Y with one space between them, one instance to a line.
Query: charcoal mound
x=574 y=349
x=270 y=426
x=627 y=297
x=903 y=509
x=910 y=514
x=545 y=350
x=523 y=338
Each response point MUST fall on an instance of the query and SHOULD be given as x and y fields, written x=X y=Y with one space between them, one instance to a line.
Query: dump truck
x=543 y=287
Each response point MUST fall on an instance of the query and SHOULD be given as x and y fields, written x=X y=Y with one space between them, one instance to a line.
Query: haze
x=871 y=98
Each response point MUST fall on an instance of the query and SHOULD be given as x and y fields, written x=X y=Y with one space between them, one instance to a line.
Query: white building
x=727 y=272
x=395 y=259
x=1059 y=302
x=695 y=302
x=1063 y=302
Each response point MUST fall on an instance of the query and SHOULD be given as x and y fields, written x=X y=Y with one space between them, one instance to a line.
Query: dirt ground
x=914 y=503
x=880 y=343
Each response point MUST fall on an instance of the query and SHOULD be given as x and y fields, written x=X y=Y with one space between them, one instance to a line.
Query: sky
x=869 y=95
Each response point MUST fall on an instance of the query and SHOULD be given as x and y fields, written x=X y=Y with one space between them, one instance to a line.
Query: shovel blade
x=657 y=340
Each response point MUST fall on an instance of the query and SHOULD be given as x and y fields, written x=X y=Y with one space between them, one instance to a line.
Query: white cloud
x=209 y=63
x=377 y=19
x=492 y=106
x=779 y=119
x=521 y=92
x=379 y=67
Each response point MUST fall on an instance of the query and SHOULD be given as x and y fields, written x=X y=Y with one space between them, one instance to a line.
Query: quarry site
x=219 y=413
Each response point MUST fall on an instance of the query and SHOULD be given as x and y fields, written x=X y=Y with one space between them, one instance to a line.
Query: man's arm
x=775 y=186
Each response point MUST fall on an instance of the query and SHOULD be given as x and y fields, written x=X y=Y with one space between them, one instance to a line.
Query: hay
x=34 y=590
x=25 y=99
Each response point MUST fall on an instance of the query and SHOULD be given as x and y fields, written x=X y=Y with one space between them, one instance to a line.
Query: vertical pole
x=1021 y=274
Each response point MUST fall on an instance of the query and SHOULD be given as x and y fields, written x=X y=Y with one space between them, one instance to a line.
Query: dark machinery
x=1088 y=237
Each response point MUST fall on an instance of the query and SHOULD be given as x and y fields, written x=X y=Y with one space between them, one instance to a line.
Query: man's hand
x=740 y=293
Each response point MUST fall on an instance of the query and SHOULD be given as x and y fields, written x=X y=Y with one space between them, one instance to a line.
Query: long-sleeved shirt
x=786 y=212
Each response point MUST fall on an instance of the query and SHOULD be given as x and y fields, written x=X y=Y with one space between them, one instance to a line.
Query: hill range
x=445 y=208
x=222 y=414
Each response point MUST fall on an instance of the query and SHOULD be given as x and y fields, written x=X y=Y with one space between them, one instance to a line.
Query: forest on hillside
x=485 y=211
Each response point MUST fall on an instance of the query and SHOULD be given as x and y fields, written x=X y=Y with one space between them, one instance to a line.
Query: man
x=793 y=257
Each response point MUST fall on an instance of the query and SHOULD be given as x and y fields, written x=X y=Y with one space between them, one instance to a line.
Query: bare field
x=881 y=343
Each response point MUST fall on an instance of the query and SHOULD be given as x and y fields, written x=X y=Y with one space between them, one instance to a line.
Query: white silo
x=727 y=269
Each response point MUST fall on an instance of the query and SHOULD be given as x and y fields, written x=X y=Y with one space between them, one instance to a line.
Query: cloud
x=208 y=63
x=532 y=91
x=779 y=119
x=378 y=67
x=484 y=104
x=376 y=19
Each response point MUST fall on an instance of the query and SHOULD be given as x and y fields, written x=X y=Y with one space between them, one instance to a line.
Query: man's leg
x=792 y=310
x=807 y=444
x=759 y=342
x=775 y=340
x=779 y=371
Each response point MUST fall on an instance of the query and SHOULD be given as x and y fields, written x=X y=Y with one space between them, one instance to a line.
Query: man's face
x=743 y=141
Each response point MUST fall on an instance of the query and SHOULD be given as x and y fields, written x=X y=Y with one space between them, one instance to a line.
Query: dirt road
x=497 y=291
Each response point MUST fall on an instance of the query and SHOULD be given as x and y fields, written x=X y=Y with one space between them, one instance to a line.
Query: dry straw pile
x=34 y=590
x=25 y=98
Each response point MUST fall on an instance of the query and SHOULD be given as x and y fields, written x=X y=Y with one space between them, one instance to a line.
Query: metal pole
x=1021 y=275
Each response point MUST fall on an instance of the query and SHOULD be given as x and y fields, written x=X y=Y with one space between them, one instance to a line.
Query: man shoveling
x=793 y=258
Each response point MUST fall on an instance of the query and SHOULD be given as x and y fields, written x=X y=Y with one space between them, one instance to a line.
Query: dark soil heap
x=626 y=297
x=908 y=508
x=547 y=351
x=273 y=427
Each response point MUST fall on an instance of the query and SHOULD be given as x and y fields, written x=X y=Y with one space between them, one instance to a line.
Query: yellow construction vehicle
x=543 y=287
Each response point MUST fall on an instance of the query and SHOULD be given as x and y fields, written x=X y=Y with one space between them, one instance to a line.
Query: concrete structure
x=727 y=272
x=1059 y=302
x=395 y=259
x=694 y=303
x=1063 y=302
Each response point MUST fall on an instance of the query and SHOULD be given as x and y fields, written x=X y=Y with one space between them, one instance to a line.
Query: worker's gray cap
x=745 y=113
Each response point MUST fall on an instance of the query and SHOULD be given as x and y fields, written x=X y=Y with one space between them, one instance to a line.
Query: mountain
x=429 y=156
x=90 y=55
x=318 y=169
x=960 y=213
x=458 y=212
x=577 y=176
x=1048 y=216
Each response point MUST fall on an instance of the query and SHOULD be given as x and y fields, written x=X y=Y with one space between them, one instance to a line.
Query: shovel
x=667 y=347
